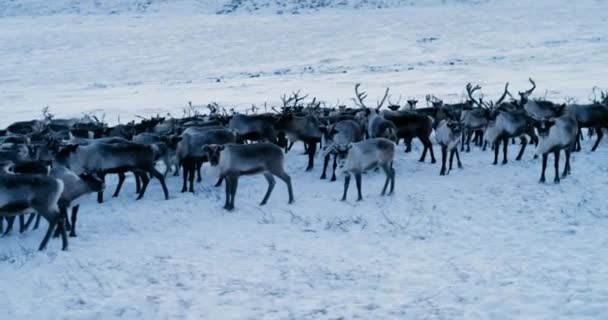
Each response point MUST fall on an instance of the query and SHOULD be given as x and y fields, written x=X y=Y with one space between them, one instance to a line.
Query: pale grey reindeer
x=234 y=160
x=340 y=133
x=75 y=188
x=40 y=193
x=555 y=135
x=356 y=158
x=448 y=135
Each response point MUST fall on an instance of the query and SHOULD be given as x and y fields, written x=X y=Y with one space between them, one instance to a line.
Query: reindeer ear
x=349 y=146
x=206 y=148
x=221 y=147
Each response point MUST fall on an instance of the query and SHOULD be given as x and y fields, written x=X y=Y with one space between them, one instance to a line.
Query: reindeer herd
x=48 y=165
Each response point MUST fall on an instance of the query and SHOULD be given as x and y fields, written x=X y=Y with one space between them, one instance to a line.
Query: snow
x=484 y=242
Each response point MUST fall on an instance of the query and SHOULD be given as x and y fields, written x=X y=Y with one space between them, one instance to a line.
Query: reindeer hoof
x=73 y=235
x=262 y=203
x=556 y=180
x=323 y=177
x=541 y=180
x=433 y=161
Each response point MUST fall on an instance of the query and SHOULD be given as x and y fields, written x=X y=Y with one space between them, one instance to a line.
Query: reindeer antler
x=379 y=104
x=504 y=94
x=527 y=93
x=360 y=96
x=470 y=91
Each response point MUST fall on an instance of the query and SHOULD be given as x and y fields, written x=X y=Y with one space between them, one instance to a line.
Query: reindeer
x=448 y=135
x=510 y=120
x=475 y=119
x=189 y=151
x=555 y=135
x=233 y=161
x=75 y=187
x=301 y=128
x=593 y=116
x=340 y=133
x=40 y=193
x=358 y=157
x=104 y=158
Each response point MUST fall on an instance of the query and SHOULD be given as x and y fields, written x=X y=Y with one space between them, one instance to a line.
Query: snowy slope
x=118 y=7
x=127 y=65
x=485 y=242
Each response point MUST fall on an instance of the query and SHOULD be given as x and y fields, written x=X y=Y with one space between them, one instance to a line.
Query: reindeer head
x=94 y=183
x=544 y=126
x=213 y=152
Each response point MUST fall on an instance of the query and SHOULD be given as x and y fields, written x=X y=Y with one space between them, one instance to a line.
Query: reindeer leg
x=100 y=193
x=346 y=183
x=199 y=165
x=27 y=223
x=137 y=182
x=567 y=166
x=74 y=217
x=191 y=173
x=600 y=134
x=159 y=176
x=392 y=180
x=325 y=164
x=49 y=232
x=505 y=146
x=9 y=225
x=21 y=223
x=463 y=138
x=496 y=146
x=185 y=176
x=271 y=182
x=312 y=148
x=235 y=184
x=145 y=181
x=556 y=155
x=63 y=213
x=228 y=193
x=524 y=143
x=121 y=180
x=444 y=151
x=358 y=183
x=333 y=175
x=542 y=175
x=458 y=159
x=451 y=159
x=387 y=170
x=37 y=221
x=287 y=179
x=219 y=182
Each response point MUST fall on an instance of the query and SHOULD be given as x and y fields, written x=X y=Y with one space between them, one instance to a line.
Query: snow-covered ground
x=485 y=242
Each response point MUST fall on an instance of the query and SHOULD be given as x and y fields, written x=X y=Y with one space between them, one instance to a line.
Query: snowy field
x=485 y=242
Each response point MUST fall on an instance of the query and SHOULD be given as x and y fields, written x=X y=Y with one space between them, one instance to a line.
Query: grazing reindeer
x=448 y=135
x=40 y=193
x=340 y=133
x=556 y=135
x=259 y=127
x=233 y=161
x=103 y=158
x=76 y=187
x=358 y=157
